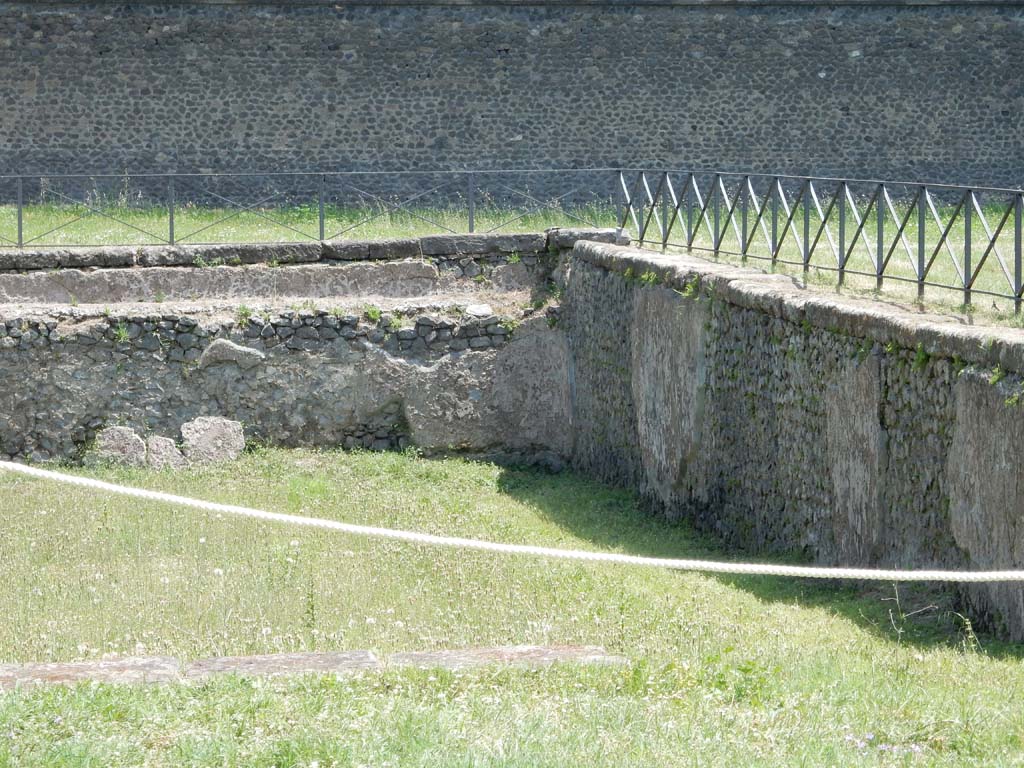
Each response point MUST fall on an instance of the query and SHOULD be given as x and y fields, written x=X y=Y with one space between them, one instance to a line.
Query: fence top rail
x=284 y=174
x=828 y=179
x=496 y=171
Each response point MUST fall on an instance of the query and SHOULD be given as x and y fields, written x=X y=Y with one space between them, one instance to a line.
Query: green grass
x=112 y=224
x=736 y=671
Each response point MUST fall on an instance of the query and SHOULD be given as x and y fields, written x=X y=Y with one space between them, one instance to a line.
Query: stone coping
x=283 y=254
x=217 y=311
x=780 y=296
x=165 y=669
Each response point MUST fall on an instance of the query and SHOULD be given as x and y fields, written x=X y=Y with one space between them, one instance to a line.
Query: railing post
x=968 y=206
x=880 y=240
x=1018 y=287
x=320 y=205
x=776 y=189
x=744 y=204
x=842 y=232
x=716 y=198
x=20 y=213
x=921 y=242
x=471 y=200
x=807 y=226
x=664 y=211
x=641 y=188
x=690 y=181
x=170 y=210
x=620 y=204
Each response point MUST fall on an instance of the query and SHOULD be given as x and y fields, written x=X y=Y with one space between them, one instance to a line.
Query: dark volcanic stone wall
x=893 y=91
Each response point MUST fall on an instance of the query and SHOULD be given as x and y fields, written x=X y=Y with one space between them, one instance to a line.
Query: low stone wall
x=447 y=380
x=449 y=250
x=414 y=267
x=786 y=421
x=151 y=347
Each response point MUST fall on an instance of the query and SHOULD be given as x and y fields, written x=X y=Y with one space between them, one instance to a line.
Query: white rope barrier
x=704 y=566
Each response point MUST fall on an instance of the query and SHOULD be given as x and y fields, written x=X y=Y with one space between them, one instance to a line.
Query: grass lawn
x=45 y=225
x=723 y=671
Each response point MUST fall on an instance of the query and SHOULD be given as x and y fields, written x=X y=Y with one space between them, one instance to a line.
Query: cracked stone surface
x=163 y=453
x=119 y=445
x=211 y=439
x=148 y=669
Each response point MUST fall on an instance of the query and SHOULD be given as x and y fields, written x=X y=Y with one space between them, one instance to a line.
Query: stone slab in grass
x=144 y=669
x=284 y=664
x=529 y=656
x=163 y=669
x=162 y=453
x=119 y=445
x=211 y=439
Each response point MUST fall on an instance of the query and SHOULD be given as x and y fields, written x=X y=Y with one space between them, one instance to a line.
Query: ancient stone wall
x=786 y=421
x=440 y=379
x=894 y=90
x=777 y=418
x=444 y=343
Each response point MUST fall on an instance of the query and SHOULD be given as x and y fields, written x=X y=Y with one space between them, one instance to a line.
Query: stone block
x=408 y=248
x=162 y=453
x=344 y=250
x=152 y=669
x=119 y=445
x=565 y=238
x=211 y=439
x=165 y=256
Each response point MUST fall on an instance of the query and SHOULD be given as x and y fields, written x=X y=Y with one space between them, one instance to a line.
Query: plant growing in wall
x=243 y=315
x=921 y=357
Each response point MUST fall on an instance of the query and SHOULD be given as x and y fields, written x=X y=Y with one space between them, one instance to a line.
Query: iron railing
x=966 y=239
x=960 y=238
x=180 y=208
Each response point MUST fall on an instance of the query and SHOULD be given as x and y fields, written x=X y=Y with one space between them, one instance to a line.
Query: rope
x=705 y=566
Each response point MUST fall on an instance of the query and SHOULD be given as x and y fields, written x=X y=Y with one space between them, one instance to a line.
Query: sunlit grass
x=738 y=671
x=46 y=225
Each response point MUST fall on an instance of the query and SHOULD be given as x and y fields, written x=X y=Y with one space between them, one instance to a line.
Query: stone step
x=522 y=656
x=164 y=669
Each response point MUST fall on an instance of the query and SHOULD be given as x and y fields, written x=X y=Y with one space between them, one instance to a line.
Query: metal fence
x=965 y=239
x=203 y=208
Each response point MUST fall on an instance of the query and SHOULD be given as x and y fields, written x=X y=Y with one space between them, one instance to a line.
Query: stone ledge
x=779 y=296
x=283 y=254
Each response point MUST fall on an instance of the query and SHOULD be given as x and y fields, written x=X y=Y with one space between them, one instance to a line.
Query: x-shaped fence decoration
x=728 y=204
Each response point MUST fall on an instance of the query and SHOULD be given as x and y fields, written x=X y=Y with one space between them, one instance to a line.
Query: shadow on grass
x=915 y=614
